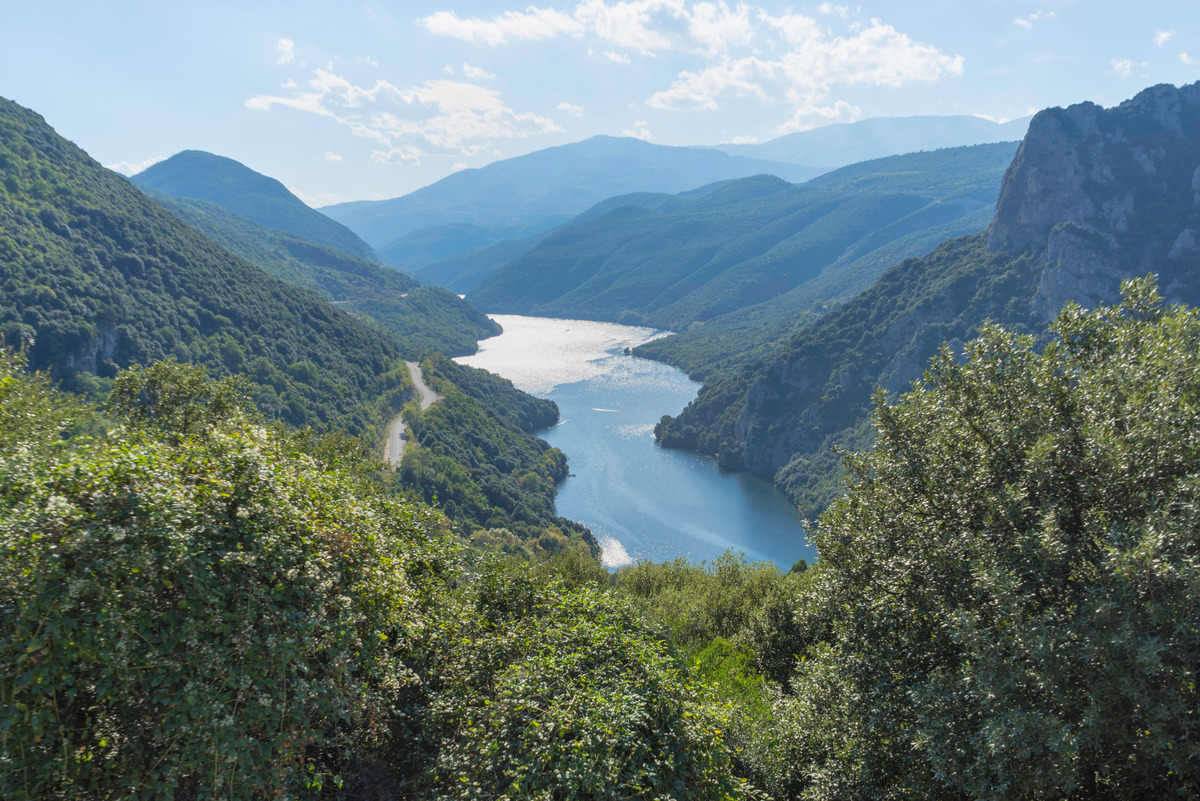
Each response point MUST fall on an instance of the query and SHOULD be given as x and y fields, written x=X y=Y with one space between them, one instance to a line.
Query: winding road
x=397 y=440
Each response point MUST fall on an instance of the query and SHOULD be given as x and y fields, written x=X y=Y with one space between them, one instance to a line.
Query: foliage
x=218 y=617
x=562 y=694
x=1013 y=575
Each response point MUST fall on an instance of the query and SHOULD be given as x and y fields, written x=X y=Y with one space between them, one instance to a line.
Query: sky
x=368 y=100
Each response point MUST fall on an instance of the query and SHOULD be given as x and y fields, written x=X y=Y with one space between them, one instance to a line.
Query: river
x=642 y=502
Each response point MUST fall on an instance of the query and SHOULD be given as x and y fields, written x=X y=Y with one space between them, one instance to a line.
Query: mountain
x=95 y=276
x=743 y=243
x=518 y=197
x=421 y=317
x=234 y=186
x=1092 y=196
x=846 y=143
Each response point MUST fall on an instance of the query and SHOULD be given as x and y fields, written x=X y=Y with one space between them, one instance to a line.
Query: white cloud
x=441 y=116
x=638 y=131
x=809 y=117
x=286 y=49
x=997 y=120
x=476 y=73
x=459 y=166
x=371 y=61
x=1122 y=67
x=331 y=156
x=829 y=8
x=1186 y=59
x=288 y=84
x=531 y=24
x=816 y=61
x=571 y=108
x=1027 y=22
x=614 y=56
x=449 y=69
x=133 y=168
x=743 y=140
x=1161 y=37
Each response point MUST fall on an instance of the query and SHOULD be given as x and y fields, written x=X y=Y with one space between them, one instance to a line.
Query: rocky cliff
x=1092 y=196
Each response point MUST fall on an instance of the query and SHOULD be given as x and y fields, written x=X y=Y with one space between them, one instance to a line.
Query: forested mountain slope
x=97 y=276
x=421 y=317
x=745 y=242
x=1093 y=196
x=234 y=186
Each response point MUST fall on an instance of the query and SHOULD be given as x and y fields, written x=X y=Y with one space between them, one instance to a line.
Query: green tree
x=1014 y=575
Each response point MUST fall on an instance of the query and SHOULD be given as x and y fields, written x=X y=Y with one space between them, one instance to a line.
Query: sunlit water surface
x=641 y=501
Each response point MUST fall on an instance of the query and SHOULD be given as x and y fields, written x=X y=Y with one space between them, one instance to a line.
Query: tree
x=1015 y=577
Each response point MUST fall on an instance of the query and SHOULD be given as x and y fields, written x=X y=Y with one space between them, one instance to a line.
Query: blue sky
x=353 y=100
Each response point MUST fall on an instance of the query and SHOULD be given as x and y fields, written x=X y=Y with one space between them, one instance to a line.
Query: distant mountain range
x=234 y=186
x=671 y=261
x=1092 y=196
x=518 y=197
x=846 y=143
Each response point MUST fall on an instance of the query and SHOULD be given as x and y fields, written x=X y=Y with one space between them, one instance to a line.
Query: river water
x=642 y=502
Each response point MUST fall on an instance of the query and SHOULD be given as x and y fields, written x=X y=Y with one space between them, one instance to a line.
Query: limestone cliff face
x=1101 y=194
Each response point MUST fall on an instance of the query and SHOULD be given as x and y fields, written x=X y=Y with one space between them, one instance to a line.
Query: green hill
x=422 y=317
x=96 y=276
x=234 y=186
x=747 y=242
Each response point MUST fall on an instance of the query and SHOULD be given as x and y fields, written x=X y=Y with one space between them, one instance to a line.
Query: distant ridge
x=846 y=143
x=234 y=186
x=519 y=196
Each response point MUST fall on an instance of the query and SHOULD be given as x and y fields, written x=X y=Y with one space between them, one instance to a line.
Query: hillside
x=520 y=196
x=421 y=317
x=97 y=276
x=846 y=143
x=234 y=186
x=745 y=242
x=1092 y=196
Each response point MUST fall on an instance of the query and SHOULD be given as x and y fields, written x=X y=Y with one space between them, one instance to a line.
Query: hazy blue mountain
x=234 y=186
x=516 y=196
x=847 y=143
x=744 y=242
x=1092 y=196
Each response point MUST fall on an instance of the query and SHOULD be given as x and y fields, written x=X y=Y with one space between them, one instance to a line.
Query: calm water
x=641 y=501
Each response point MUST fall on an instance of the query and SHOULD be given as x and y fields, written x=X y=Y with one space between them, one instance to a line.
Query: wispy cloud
x=331 y=156
x=743 y=140
x=459 y=166
x=529 y=25
x=571 y=108
x=477 y=73
x=1027 y=22
x=829 y=8
x=286 y=50
x=1122 y=67
x=1161 y=37
x=809 y=117
x=441 y=116
x=619 y=58
x=638 y=131
x=133 y=168
x=1186 y=59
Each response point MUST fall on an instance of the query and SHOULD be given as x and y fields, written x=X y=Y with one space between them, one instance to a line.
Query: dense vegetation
x=95 y=276
x=195 y=606
x=748 y=242
x=420 y=317
x=480 y=464
x=1004 y=606
x=234 y=186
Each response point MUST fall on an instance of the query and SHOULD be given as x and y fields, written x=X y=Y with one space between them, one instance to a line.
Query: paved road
x=393 y=448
